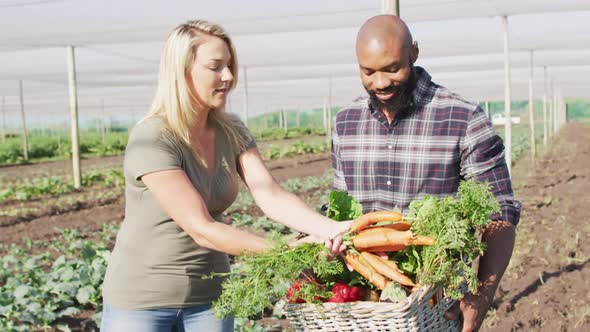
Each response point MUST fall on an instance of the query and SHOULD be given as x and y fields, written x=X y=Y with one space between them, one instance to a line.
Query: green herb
x=257 y=279
x=343 y=206
x=456 y=223
x=393 y=292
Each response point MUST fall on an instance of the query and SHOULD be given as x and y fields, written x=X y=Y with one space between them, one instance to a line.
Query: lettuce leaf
x=342 y=206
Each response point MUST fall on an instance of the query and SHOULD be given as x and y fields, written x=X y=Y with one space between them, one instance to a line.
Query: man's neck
x=389 y=114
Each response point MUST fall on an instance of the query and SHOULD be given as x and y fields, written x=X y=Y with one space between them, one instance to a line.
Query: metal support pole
x=329 y=131
x=507 y=97
x=285 y=122
x=22 y=113
x=532 y=110
x=545 y=124
x=246 y=96
x=103 y=121
x=390 y=7
x=553 y=108
x=3 y=121
x=74 y=115
x=325 y=115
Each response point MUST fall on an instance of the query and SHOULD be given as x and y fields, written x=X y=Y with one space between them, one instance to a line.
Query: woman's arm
x=281 y=205
x=183 y=203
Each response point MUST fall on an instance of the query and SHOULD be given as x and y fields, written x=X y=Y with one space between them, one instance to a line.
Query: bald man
x=411 y=137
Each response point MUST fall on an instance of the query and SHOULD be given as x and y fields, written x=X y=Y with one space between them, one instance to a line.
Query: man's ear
x=414 y=52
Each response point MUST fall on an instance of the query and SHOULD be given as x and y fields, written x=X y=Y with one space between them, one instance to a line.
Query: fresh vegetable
x=297 y=288
x=342 y=206
x=344 y=293
x=456 y=223
x=386 y=268
x=374 y=217
x=366 y=270
x=381 y=237
x=393 y=293
x=437 y=249
x=293 y=292
x=257 y=279
x=398 y=226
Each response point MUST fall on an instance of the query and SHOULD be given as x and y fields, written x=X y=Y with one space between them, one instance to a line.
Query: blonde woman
x=182 y=164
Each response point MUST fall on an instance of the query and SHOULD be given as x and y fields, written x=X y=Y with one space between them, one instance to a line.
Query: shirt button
x=389 y=183
x=389 y=147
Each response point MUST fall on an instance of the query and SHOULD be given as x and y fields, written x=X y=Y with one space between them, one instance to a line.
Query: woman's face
x=210 y=74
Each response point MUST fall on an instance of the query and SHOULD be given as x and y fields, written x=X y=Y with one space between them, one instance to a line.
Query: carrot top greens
x=258 y=279
x=456 y=223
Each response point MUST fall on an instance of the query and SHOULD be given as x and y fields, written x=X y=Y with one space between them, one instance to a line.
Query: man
x=412 y=137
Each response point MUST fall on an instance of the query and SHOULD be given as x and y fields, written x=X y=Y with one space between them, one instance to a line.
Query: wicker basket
x=414 y=314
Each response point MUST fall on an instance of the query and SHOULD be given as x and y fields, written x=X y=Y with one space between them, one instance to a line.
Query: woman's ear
x=414 y=52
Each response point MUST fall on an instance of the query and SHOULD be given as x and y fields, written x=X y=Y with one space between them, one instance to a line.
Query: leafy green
x=257 y=279
x=456 y=223
x=393 y=292
x=36 y=290
x=343 y=206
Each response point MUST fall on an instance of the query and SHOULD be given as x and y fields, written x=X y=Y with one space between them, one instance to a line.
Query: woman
x=181 y=167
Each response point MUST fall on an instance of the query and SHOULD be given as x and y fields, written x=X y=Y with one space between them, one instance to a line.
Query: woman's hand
x=331 y=239
x=334 y=245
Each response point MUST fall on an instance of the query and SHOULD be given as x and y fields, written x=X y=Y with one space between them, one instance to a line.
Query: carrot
x=387 y=268
x=371 y=218
x=384 y=248
x=381 y=237
x=366 y=271
x=374 y=237
x=398 y=226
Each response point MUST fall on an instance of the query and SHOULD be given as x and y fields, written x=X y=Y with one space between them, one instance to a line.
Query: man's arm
x=482 y=158
x=499 y=237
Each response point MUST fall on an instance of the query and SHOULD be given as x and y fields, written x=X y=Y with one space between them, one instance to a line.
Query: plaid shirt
x=441 y=141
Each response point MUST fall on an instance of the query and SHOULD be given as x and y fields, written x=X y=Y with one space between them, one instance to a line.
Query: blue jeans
x=191 y=319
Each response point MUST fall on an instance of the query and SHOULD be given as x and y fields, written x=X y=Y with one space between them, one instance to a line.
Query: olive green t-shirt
x=155 y=264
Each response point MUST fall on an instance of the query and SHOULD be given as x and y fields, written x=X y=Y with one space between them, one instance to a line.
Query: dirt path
x=547 y=285
x=91 y=216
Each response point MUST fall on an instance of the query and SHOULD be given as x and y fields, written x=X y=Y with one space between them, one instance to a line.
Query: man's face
x=386 y=72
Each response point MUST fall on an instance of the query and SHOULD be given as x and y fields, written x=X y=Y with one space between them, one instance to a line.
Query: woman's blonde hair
x=173 y=100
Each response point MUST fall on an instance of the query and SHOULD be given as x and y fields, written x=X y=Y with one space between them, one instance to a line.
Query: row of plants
x=12 y=214
x=37 y=290
x=28 y=189
x=521 y=140
x=52 y=147
x=47 y=147
x=34 y=188
x=270 y=134
x=42 y=283
x=295 y=149
x=53 y=205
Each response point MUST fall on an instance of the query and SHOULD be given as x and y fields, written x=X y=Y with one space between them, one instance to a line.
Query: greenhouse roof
x=292 y=50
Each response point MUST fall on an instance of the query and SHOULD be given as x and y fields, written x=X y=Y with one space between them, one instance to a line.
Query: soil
x=547 y=284
x=545 y=288
x=88 y=215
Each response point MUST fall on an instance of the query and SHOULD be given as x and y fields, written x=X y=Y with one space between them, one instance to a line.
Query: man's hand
x=499 y=237
x=473 y=309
